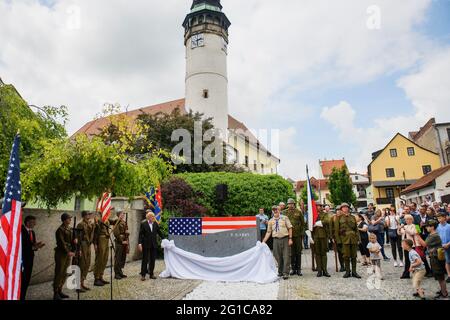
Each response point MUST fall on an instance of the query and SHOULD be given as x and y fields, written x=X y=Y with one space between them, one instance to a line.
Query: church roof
x=327 y=166
x=94 y=127
x=215 y=3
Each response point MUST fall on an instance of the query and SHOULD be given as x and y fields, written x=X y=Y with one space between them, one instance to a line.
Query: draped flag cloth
x=313 y=214
x=254 y=265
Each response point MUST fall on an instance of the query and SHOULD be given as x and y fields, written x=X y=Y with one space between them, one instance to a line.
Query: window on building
x=255 y=166
x=356 y=178
x=246 y=161
x=390 y=172
x=448 y=133
x=411 y=151
x=393 y=153
x=206 y=93
x=426 y=169
x=262 y=167
x=448 y=154
x=390 y=193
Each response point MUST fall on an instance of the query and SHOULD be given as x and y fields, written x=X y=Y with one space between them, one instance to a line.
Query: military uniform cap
x=274 y=207
x=291 y=201
x=318 y=204
x=338 y=207
x=65 y=216
x=85 y=213
x=345 y=204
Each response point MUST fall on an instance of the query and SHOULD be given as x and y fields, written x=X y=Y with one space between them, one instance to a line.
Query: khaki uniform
x=64 y=241
x=321 y=235
x=337 y=239
x=120 y=252
x=298 y=231
x=347 y=233
x=86 y=237
x=279 y=230
x=101 y=240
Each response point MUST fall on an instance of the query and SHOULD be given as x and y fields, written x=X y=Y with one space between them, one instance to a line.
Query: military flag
x=312 y=209
x=104 y=206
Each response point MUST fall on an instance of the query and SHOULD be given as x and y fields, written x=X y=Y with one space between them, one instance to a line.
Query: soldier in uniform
x=86 y=237
x=63 y=255
x=336 y=238
x=101 y=245
x=349 y=236
x=321 y=233
x=280 y=229
x=121 y=235
x=299 y=227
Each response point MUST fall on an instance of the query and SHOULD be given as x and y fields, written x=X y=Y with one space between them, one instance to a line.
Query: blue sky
x=333 y=87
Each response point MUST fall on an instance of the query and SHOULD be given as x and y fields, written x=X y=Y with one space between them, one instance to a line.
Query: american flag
x=10 y=230
x=104 y=206
x=205 y=226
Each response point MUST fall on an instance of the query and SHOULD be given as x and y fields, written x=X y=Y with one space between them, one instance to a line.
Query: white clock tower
x=206 y=41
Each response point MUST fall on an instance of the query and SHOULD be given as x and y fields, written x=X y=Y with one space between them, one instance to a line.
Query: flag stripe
x=229 y=223
x=231 y=227
x=227 y=219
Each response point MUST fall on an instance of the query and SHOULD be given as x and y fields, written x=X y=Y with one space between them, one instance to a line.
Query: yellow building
x=398 y=165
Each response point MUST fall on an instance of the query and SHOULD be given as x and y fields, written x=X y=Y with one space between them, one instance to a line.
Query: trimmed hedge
x=247 y=192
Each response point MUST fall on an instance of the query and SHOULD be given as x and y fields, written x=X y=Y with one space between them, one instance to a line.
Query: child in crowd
x=375 y=254
x=417 y=268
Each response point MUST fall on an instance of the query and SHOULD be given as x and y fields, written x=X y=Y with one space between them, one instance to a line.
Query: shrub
x=247 y=192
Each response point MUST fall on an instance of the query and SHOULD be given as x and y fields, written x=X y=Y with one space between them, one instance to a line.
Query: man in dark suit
x=29 y=246
x=148 y=244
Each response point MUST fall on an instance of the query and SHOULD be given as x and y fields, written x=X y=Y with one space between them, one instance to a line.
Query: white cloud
x=133 y=53
x=428 y=91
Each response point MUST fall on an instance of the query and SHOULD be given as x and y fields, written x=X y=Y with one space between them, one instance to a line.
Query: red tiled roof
x=427 y=180
x=317 y=184
x=328 y=165
x=95 y=126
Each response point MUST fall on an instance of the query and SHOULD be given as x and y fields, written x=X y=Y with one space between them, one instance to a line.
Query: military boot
x=347 y=268
x=99 y=283
x=62 y=295
x=56 y=296
x=104 y=281
x=354 y=273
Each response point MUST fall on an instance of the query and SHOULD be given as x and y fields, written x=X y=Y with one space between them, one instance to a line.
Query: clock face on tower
x=197 y=40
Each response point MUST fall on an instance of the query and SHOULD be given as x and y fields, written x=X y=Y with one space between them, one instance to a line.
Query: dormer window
x=206 y=94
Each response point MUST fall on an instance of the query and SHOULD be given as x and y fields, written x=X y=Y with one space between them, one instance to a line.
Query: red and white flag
x=221 y=224
x=313 y=214
x=104 y=206
x=10 y=230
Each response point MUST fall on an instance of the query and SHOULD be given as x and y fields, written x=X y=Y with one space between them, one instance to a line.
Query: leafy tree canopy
x=341 y=187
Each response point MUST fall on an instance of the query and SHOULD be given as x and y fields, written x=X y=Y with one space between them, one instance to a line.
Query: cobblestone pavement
x=131 y=288
x=308 y=287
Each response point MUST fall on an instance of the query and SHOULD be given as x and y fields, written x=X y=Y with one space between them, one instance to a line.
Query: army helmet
x=291 y=201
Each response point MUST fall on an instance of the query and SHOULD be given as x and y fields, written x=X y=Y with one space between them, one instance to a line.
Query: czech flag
x=312 y=208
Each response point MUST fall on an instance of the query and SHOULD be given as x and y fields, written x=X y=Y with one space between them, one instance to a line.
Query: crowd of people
x=419 y=239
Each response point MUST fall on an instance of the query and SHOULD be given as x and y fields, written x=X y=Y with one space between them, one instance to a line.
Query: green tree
x=247 y=192
x=304 y=194
x=35 y=127
x=151 y=133
x=341 y=187
x=87 y=168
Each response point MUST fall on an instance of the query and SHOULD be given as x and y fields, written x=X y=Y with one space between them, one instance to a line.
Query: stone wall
x=46 y=226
